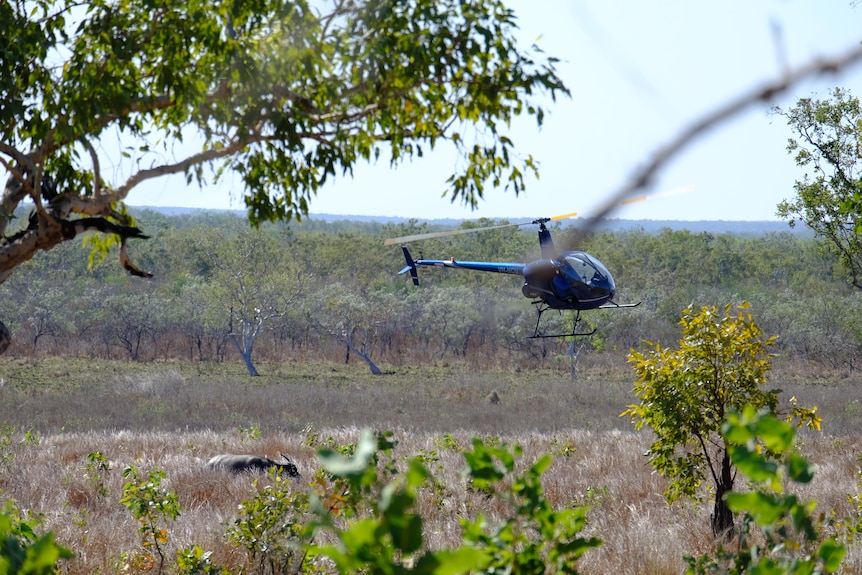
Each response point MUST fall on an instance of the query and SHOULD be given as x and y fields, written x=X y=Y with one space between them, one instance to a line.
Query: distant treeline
x=330 y=290
x=740 y=227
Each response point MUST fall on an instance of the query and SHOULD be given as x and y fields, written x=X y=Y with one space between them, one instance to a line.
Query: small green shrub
x=22 y=551
x=196 y=561
x=534 y=539
x=97 y=466
x=6 y=455
x=154 y=508
x=250 y=433
x=448 y=442
x=270 y=527
x=787 y=540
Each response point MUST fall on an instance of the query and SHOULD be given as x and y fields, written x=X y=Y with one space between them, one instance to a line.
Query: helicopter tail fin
x=411 y=266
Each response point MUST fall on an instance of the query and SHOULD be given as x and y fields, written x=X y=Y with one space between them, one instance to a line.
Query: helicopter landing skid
x=574 y=332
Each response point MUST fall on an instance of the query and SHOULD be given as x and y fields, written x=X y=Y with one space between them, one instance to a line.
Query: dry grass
x=175 y=419
x=604 y=469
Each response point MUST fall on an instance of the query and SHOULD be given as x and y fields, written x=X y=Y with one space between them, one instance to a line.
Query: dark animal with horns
x=242 y=463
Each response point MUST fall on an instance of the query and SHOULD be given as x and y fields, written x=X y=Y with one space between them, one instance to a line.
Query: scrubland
x=175 y=416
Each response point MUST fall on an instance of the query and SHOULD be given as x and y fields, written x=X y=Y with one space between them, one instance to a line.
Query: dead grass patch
x=175 y=417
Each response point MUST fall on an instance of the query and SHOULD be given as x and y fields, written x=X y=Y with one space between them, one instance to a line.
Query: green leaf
x=776 y=435
x=354 y=466
x=765 y=508
x=541 y=465
x=465 y=559
x=361 y=534
x=755 y=466
x=407 y=533
x=831 y=553
x=798 y=468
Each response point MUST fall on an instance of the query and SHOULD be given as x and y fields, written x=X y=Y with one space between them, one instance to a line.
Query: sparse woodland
x=305 y=290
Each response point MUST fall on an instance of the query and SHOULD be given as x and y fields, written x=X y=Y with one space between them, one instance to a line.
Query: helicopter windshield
x=589 y=270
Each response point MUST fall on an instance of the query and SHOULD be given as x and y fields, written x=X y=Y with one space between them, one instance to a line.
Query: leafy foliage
x=534 y=538
x=97 y=466
x=22 y=550
x=6 y=455
x=195 y=561
x=685 y=395
x=829 y=196
x=852 y=526
x=153 y=507
x=288 y=95
x=270 y=527
x=790 y=540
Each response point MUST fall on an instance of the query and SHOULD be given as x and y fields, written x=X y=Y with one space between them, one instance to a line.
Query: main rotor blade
x=590 y=215
x=447 y=233
x=562 y=217
x=666 y=193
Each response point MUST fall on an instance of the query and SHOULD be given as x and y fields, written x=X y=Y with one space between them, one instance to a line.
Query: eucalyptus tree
x=349 y=254
x=199 y=318
x=252 y=281
x=829 y=195
x=353 y=315
x=286 y=95
x=46 y=317
x=452 y=316
x=131 y=319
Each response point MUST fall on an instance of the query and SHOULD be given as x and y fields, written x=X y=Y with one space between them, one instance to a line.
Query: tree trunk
x=374 y=369
x=5 y=338
x=722 y=516
x=574 y=354
x=245 y=352
x=244 y=341
x=246 y=357
x=252 y=370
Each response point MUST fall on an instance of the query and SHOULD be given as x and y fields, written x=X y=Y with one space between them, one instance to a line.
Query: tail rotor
x=411 y=266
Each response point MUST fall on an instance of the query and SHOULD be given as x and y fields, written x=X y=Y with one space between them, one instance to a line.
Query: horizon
x=610 y=223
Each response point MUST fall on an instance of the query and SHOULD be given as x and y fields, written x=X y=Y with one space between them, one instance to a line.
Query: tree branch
x=643 y=177
x=97 y=171
x=183 y=165
x=43 y=234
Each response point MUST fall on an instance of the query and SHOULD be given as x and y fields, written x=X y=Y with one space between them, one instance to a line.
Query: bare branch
x=129 y=265
x=15 y=154
x=337 y=10
x=97 y=171
x=643 y=177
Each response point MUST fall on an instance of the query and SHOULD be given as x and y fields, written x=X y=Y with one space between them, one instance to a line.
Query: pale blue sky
x=638 y=72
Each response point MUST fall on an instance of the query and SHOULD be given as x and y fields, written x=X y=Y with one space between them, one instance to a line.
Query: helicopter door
x=537 y=276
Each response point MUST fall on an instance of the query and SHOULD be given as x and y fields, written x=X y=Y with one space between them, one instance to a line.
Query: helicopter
x=570 y=280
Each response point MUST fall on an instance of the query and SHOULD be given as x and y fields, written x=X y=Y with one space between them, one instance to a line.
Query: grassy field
x=175 y=416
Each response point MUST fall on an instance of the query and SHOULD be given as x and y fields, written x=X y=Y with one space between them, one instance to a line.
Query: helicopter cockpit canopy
x=585 y=275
